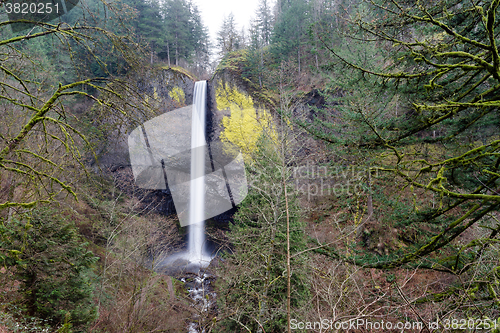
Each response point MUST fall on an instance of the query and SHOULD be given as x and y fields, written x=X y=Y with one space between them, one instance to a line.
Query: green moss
x=233 y=61
x=180 y=70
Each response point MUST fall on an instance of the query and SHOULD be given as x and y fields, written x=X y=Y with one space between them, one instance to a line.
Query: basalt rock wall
x=153 y=92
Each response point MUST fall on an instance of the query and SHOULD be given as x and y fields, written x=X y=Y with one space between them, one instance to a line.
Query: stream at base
x=201 y=292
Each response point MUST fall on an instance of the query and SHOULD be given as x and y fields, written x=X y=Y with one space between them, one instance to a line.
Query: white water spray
x=196 y=239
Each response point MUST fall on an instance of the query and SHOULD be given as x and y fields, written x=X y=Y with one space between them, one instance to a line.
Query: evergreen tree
x=149 y=24
x=423 y=100
x=228 y=38
x=177 y=28
x=185 y=35
x=290 y=30
x=264 y=22
x=53 y=264
x=254 y=40
x=200 y=38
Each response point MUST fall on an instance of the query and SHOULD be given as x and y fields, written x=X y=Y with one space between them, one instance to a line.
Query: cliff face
x=154 y=92
x=239 y=109
x=240 y=114
x=171 y=85
x=244 y=110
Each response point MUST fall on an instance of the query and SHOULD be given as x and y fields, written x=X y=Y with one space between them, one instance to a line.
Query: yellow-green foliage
x=177 y=94
x=246 y=124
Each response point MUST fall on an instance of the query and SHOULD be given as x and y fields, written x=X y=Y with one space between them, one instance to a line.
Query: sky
x=213 y=12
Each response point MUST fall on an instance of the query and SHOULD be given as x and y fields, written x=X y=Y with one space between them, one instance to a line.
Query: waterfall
x=196 y=238
x=201 y=178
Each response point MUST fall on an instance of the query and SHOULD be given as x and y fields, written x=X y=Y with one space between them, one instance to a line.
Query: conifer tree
x=149 y=24
x=178 y=30
x=290 y=30
x=200 y=38
x=419 y=90
x=264 y=22
x=228 y=38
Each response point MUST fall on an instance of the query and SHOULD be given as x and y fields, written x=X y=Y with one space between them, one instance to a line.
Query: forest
x=369 y=131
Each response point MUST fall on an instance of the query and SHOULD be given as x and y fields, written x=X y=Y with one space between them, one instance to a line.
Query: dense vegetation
x=372 y=159
x=410 y=104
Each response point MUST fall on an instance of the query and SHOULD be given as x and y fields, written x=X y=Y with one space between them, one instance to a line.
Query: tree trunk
x=176 y=55
x=168 y=54
x=298 y=53
x=261 y=67
x=288 y=269
x=370 y=198
x=176 y=49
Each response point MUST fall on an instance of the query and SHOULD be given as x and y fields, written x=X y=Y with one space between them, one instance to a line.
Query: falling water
x=196 y=239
